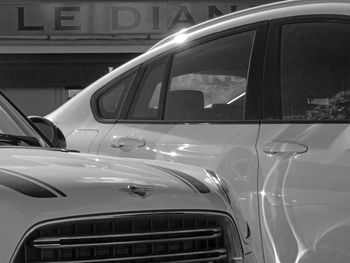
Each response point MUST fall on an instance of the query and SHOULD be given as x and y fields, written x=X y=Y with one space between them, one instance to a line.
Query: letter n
x=214 y=12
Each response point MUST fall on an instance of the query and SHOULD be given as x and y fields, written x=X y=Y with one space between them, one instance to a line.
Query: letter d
x=117 y=24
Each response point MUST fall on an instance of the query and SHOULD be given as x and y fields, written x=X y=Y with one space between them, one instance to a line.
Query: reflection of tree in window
x=217 y=89
x=338 y=107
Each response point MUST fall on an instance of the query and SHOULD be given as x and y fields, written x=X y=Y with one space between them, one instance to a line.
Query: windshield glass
x=12 y=123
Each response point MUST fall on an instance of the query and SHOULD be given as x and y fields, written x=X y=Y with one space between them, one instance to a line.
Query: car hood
x=114 y=184
x=38 y=185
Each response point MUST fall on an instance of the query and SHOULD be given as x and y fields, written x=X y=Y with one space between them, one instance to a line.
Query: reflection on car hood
x=38 y=185
x=51 y=176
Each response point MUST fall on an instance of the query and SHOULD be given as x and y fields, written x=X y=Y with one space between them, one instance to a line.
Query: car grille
x=136 y=238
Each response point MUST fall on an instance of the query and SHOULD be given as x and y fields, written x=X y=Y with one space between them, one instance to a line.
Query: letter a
x=188 y=17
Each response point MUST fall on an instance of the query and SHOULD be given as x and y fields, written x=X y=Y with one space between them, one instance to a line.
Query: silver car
x=262 y=97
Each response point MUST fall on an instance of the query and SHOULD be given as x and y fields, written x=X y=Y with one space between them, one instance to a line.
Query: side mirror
x=50 y=131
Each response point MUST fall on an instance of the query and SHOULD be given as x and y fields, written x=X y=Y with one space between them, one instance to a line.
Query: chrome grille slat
x=221 y=252
x=58 y=239
x=56 y=242
x=42 y=246
x=184 y=237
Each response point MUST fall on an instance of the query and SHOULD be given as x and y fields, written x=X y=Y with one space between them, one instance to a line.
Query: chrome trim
x=219 y=251
x=125 y=242
x=111 y=216
x=54 y=242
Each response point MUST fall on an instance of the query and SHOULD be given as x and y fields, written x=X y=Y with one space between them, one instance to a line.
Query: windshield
x=12 y=123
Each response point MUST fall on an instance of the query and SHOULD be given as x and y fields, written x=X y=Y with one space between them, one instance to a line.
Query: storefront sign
x=109 y=18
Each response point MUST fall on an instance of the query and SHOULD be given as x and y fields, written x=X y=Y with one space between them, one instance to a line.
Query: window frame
x=253 y=93
x=271 y=88
x=100 y=92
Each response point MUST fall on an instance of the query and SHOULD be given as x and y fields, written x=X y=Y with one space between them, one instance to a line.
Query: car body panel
x=306 y=196
x=88 y=185
x=228 y=149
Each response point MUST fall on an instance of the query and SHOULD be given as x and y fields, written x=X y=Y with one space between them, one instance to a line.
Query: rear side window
x=147 y=100
x=315 y=71
x=107 y=102
x=209 y=81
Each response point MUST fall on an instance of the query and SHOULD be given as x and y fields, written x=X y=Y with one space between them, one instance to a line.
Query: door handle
x=129 y=143
x=284 y=147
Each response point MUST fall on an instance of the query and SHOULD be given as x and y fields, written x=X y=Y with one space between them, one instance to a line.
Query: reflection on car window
x=209 y=81
x=315 y=79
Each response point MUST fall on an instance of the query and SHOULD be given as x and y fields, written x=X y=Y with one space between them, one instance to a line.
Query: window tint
x=209 y=81
x=315 y=66
x=146 y=103
x=109 y=102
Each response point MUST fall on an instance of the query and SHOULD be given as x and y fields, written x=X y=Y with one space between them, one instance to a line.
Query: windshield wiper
x=18 y=140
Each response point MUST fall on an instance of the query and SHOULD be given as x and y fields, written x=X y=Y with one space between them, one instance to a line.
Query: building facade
x=50 y=50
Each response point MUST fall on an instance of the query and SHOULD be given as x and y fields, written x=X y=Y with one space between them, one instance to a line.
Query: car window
x=108 y=101
x=11 y=122
x=8 y=124
x=209 y=81
x=147 y=99
x=315 y=66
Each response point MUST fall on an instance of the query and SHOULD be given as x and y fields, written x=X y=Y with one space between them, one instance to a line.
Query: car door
x=200 y=105
x=304 y=141
x=95 y=114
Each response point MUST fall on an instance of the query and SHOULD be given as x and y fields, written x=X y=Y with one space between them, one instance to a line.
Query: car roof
x=270 y=11
x=290 y=8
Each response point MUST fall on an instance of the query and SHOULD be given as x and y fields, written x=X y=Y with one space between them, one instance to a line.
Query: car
x=59 y=205
x=261 y=97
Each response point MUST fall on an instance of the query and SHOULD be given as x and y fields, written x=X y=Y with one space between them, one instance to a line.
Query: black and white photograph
x=175 y=131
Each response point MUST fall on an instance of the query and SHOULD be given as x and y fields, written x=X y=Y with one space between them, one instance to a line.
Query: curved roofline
x=267 y=8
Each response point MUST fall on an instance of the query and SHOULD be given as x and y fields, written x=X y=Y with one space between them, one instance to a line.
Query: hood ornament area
x=138 y=191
